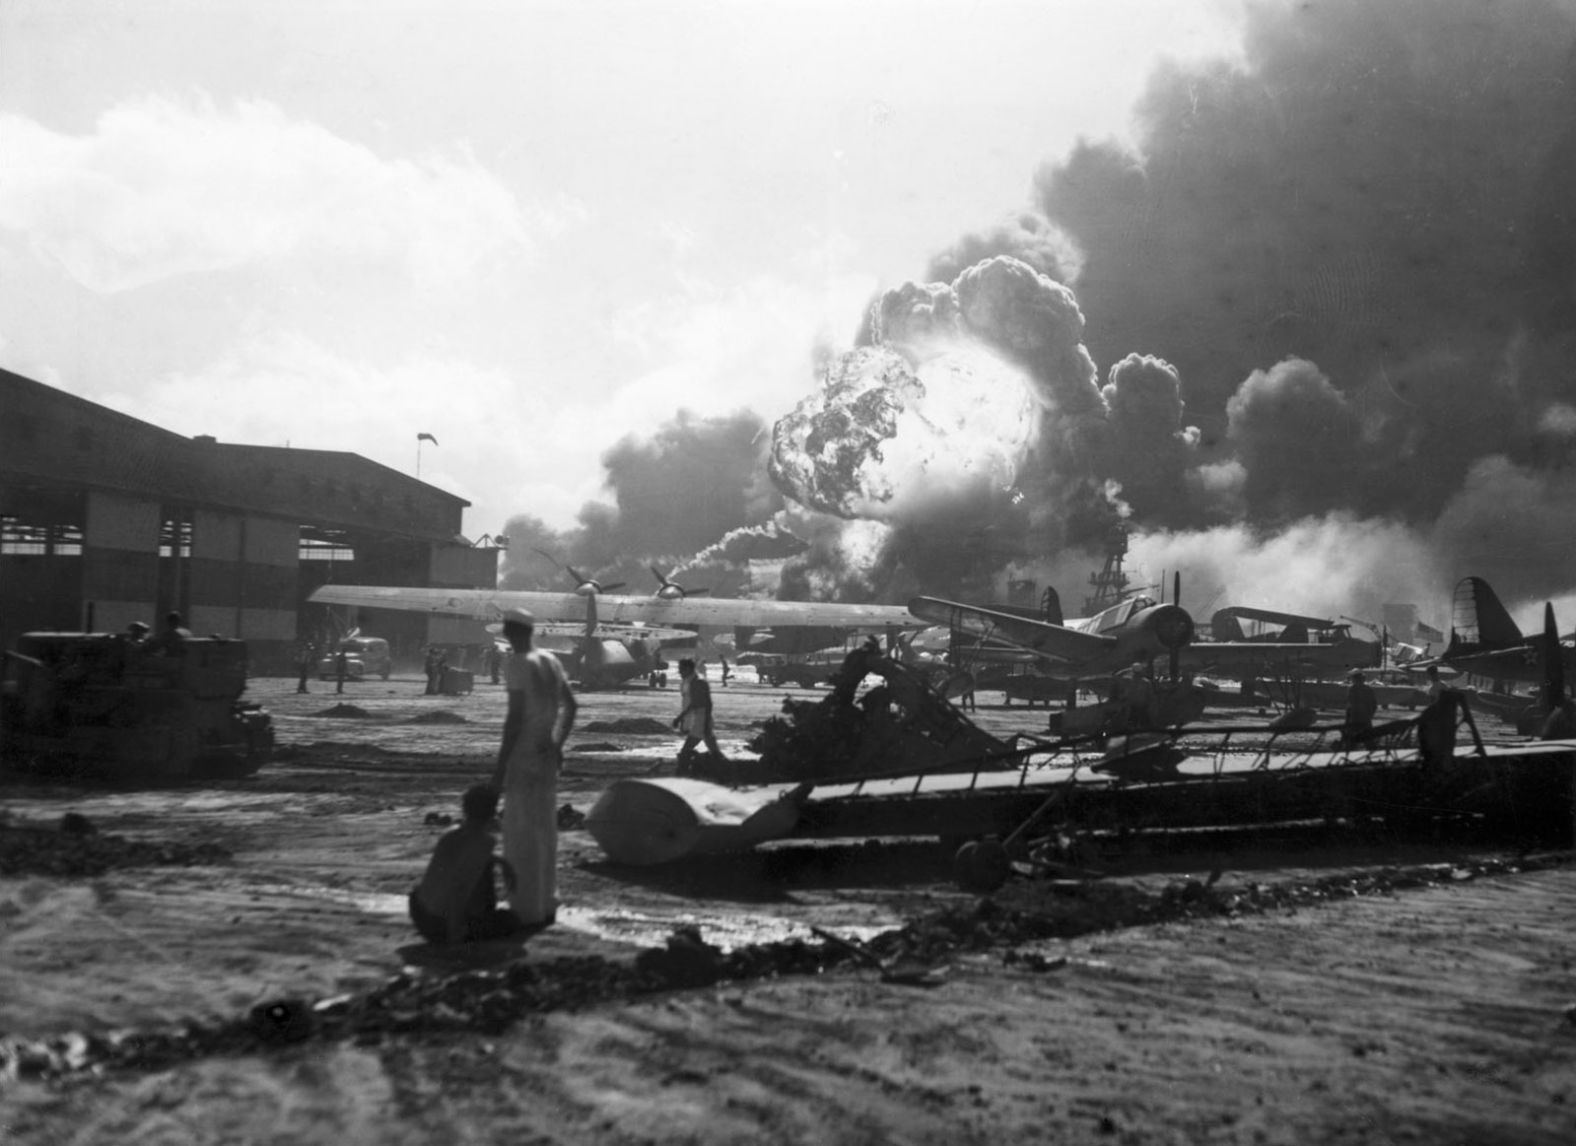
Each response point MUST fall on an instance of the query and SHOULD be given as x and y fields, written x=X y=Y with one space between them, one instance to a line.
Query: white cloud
x=276 y=390
x=747 y=346
x=164 y=188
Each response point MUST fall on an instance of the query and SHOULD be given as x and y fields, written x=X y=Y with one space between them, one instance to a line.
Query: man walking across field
x=694 y=718
x=306 y=661
x=540 y=717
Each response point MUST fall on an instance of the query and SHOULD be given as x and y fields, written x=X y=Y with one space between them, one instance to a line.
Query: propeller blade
x=1176 y=587
x=614 y=585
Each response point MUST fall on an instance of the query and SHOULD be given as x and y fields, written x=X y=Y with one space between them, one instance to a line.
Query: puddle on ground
x=727 y=930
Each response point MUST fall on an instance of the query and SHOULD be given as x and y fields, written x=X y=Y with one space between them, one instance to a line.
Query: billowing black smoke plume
x=1382 y=190
x=1354 y=254
x=674 y=494
x=1320 y=354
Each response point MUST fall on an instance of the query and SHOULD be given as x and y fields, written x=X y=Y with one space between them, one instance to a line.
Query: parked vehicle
x=804 y=670
x=364 y=657
x=96 y=704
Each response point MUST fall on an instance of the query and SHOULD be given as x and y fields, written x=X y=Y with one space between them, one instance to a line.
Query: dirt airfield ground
x=1343 y=991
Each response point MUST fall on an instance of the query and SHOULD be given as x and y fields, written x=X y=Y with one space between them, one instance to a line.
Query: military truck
x=99 y=704
x=363 y=657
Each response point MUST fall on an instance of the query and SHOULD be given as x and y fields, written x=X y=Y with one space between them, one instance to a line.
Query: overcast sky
x=528 y=229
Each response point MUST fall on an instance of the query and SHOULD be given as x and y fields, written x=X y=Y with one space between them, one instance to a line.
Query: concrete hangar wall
x=105 y=520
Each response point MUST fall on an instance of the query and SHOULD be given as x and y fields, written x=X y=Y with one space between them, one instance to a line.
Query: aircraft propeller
x=672 y=589
x=585 y=586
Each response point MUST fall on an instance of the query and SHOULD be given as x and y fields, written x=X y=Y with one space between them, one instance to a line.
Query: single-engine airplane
x=1137 y=629
x=1141 y=630
x=1310 y=648
x=1485 y=642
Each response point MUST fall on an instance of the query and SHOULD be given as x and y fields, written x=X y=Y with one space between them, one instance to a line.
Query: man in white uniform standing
x=540 y=717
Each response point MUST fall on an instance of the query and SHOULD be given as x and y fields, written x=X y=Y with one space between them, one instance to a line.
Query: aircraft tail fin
x=1478 y=620
x=1225 y=626
x=1051 y=606
x=1553 y=661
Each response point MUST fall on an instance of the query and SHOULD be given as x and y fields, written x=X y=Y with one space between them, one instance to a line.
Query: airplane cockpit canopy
x=1118 y=615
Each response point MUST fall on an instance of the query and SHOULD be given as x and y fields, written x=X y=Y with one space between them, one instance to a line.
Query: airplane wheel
x=981 y=865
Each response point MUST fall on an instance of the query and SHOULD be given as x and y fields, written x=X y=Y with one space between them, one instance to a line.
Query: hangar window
x=323 y=545
x=19 y=538
x=315 y=550
x=67 y=541
x=175 y=537
x=22 y=540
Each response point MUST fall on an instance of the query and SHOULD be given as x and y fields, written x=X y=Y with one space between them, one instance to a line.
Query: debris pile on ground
x=903 y=722
x=76 y=849
x=441 y=716
x=811 y=740
x=630 y=726
x=344 y=711
x=491 y=1000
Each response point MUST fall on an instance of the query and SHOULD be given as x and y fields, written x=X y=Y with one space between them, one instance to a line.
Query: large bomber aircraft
x=618 y=635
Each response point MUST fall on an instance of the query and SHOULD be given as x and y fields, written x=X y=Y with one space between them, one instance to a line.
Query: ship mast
x=1111 y=583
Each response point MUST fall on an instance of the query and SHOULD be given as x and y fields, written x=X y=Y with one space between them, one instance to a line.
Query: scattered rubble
x=489 y=1001
x=344 y=712
x=77 y=849
x=441 y=716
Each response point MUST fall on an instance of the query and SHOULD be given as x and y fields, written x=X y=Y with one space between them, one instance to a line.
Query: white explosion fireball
x=886 y=436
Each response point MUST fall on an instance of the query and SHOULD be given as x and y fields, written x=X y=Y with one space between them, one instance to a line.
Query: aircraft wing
x=487 y=604
x=1238 y=656
x=606 y=632
x=1054 y=642
x=1271 y=617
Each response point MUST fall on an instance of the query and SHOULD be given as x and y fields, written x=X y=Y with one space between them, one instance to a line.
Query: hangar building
x=105 y=520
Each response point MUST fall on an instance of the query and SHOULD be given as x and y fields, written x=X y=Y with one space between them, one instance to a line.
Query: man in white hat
x=540 y=717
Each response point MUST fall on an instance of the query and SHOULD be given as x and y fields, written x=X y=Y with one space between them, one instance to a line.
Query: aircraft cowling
x=1169 y=625
x=605 y=664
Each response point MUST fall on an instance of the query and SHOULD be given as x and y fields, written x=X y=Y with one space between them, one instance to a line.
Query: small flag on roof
x=426 y=438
